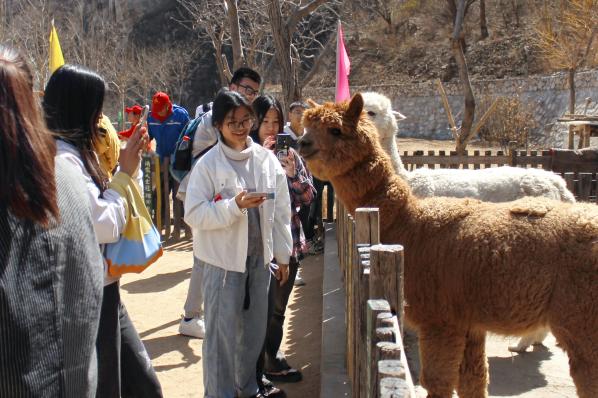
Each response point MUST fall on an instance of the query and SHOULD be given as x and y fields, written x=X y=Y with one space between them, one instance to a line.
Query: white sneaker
x=298 y=280
x=194 y=327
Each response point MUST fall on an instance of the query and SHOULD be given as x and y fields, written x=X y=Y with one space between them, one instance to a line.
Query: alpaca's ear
x=312 y=103
x=353 y=112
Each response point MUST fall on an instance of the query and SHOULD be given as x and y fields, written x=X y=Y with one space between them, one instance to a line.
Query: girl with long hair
x=73 y=102
x=270 y=123
x=50 y=262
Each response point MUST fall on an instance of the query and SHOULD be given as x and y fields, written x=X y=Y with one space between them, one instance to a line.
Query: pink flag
x=343 y=66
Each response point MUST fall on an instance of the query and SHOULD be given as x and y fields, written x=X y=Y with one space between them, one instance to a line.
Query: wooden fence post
x=386 y=276
x=374 y=307
x=367 y=230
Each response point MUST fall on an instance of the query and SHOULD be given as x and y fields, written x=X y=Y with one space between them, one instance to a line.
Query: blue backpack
x=182 y=159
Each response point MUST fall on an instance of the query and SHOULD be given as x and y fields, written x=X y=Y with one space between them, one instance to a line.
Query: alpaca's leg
x=540 y=335
x=583 y=361
x=524 y=342
x=441 y=349
x=473 y=372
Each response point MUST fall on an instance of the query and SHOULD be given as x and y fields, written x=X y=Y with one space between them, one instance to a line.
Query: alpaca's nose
x=304 y=144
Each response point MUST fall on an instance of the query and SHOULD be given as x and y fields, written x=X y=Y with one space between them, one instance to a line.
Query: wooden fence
x=578 y=168
x=373 y=278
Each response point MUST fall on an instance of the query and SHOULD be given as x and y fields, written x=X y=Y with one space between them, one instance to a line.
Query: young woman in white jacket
x=73 y=102
x=236 y=235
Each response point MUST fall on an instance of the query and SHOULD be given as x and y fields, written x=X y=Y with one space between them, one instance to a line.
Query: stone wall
x=426 y=117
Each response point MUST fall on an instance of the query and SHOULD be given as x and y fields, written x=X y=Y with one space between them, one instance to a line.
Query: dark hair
x=244 y=72
x=27 y=148
x=227 y=100
x=73 y=102
x=261 y=106
x=298 y=104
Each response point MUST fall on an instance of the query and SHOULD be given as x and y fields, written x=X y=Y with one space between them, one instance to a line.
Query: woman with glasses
x=238 y=205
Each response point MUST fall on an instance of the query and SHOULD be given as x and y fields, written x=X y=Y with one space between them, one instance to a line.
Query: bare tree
x=483 y=22
x=565 y=37
x=464 y=134
x=238 y=25
x=288 y=56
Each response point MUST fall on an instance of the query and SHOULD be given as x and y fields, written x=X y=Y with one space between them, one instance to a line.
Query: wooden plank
x=488 y=154
x=393 y=387
x=454 y=162
x=364 y=216
x=393 y=369
x=584 y=186
x=476 y=155
x=431 y=165
x=443 y=160
x=570 y=181
x=386 y=276
x=374 y=307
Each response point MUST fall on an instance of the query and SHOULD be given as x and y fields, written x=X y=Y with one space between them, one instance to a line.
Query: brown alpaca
x=470 y=266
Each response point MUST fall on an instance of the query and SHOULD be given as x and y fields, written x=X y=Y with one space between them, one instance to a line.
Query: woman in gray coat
x=51 y=271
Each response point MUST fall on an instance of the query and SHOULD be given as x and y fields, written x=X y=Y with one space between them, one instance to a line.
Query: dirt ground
x=155 y=299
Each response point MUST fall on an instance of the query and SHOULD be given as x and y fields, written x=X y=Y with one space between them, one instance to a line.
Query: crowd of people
x=254 y=213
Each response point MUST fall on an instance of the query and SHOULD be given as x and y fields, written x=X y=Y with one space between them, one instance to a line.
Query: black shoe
x=285 y=376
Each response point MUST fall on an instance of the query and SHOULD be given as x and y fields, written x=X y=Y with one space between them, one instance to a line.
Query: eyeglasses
x=248 y=90
x=242 y=125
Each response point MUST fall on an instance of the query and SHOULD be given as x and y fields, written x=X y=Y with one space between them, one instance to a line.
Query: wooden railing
x=373 y=278
x=578 y=168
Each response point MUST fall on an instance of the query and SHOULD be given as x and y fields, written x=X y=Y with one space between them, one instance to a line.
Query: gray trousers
x=194 y=302
x=236 y=307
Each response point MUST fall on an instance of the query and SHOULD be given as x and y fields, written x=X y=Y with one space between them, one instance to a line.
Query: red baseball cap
x=135 y=109
x=159 y=101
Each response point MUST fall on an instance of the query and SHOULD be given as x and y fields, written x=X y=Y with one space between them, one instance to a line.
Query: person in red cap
x=165 y=123
x=133 y=116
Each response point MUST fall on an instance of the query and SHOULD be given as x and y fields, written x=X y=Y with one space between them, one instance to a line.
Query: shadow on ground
x=158 y=283
x=304 y=330
x=159 y=346
x=522 y=370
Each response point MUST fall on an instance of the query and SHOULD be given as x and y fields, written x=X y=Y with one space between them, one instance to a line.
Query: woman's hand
x=270 y=142
x=130 y=156
x=288 y=164
x=282 y=273
x=245 y=202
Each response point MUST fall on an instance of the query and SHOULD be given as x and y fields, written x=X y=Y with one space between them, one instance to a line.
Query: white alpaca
x=499 y=184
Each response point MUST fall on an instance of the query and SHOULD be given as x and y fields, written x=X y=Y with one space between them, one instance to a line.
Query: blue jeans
x=235 y=308
x=194 y=302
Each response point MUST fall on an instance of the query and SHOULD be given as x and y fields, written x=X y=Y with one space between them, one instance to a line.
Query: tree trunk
x=291 y=89
x=483 y=22
x=469 y=113
x=571 y=81
x=235 y=34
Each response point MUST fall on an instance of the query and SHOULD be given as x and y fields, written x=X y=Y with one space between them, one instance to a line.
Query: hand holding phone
x=283 y=143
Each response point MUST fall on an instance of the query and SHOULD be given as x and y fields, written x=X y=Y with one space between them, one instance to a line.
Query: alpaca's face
x=379 y=110
x=337 y=136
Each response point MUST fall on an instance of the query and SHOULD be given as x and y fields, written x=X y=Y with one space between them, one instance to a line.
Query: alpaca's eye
x=372 y=114
x=335 y=131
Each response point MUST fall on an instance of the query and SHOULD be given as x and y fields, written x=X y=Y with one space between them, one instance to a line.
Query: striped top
x=50 y=297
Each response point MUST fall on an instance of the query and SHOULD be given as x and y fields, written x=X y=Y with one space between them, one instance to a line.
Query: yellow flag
x=56 y=58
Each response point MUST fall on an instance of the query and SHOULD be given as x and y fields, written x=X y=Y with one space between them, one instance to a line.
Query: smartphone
x=283 y=143
x=267 y=195
x=144 y=114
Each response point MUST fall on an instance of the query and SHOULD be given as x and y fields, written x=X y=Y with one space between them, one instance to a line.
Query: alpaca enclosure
x=462 y=254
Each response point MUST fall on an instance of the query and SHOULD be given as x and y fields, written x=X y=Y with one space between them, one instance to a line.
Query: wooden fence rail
x=579 y=168
x=373 y=278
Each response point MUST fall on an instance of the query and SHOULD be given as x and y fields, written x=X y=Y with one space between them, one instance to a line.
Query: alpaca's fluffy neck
x=390 y=144
x=371 y=183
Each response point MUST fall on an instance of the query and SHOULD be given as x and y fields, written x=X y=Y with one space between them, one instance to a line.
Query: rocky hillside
x=420 y=50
